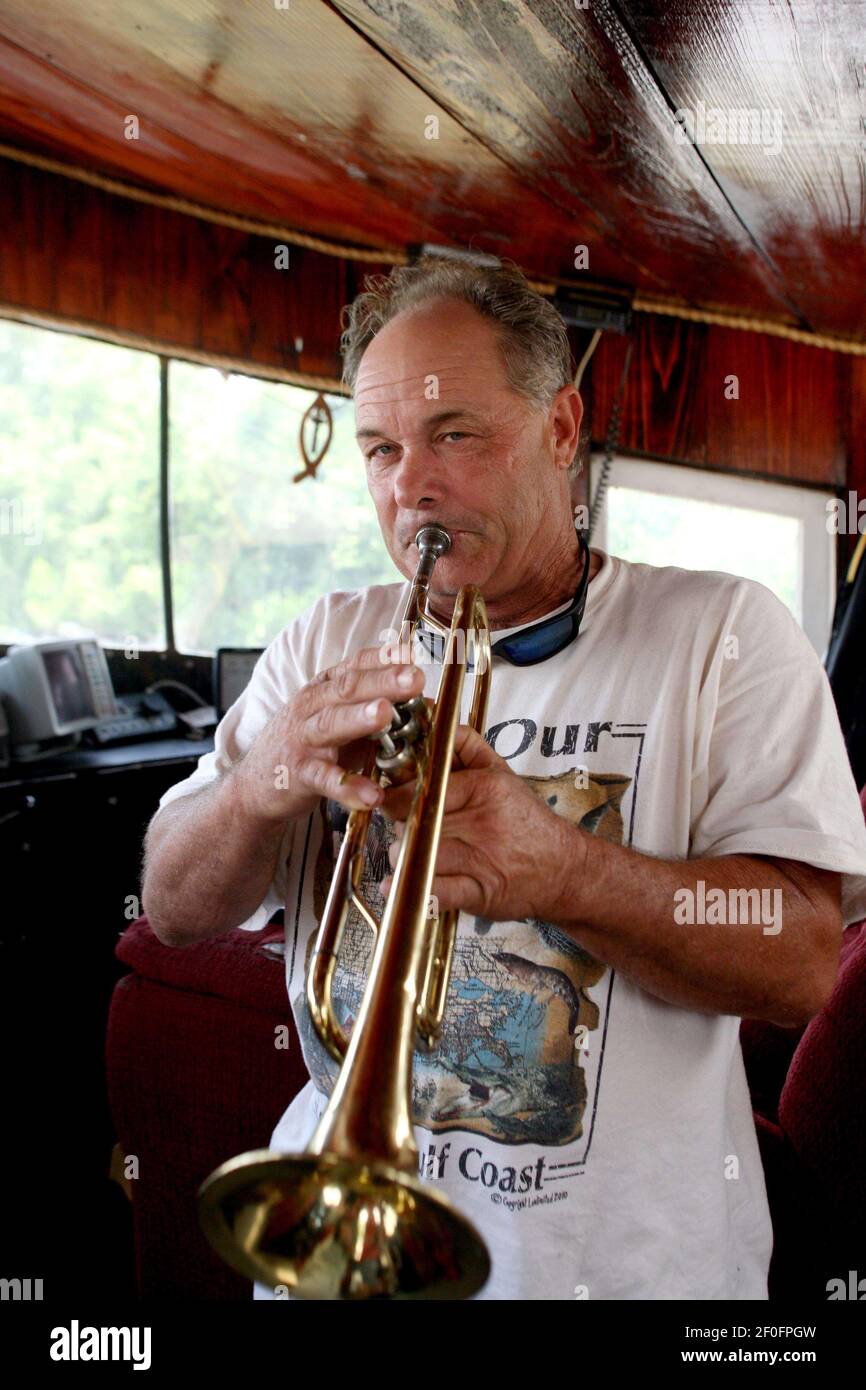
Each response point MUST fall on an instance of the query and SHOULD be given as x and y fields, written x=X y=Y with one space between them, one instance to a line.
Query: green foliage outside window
x=79 y=486
x=252 y=549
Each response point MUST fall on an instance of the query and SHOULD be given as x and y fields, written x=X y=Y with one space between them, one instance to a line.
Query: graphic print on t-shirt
x=521 y=1048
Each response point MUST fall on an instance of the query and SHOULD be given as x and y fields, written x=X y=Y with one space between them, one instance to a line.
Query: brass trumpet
x=350 y=1218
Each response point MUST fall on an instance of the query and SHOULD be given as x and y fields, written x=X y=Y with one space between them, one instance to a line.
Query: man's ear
x=566 y=414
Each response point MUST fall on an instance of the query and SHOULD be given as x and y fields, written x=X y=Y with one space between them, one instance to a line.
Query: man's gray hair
x=533 y=336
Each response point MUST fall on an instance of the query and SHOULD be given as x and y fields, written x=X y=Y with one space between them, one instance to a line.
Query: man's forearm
x=632 y=911
x=208 y=864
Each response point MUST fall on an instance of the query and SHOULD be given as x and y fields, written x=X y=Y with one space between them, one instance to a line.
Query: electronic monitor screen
x=70 y=689
x=234 y=666
x=52 y=690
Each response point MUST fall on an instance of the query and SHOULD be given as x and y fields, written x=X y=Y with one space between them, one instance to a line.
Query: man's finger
x=335 y=784
x=452 y=891
x=473 y=751
x=365 y=659
x=398 y=800
x=333 y=725
x=453 y=856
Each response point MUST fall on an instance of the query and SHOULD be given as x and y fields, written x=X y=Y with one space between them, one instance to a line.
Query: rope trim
x=204 y=213
x=646 y=305
x=400 y=256
x=584 y=361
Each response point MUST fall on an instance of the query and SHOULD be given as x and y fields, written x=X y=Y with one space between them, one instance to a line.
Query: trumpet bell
x=325 y=1227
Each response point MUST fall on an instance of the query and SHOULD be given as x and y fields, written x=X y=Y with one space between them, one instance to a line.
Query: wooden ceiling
x=556 y=128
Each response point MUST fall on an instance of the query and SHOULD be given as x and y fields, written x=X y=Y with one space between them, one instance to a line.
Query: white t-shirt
x=600 y=1139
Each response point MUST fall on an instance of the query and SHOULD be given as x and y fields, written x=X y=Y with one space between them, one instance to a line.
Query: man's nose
x=417 y=478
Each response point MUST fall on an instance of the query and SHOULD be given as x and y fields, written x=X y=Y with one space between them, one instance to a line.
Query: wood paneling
x=78 y=254
x=789 y=419
x=154 y=277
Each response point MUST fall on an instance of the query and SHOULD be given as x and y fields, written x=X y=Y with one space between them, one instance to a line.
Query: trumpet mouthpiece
x=433 y=538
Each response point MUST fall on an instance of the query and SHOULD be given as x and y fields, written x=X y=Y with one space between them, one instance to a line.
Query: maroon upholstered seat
x=808 y=1088
x=195 y=1077
x=815 y=1154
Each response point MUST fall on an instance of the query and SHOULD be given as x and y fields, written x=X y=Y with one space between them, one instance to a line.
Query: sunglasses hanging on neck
x=539 y=641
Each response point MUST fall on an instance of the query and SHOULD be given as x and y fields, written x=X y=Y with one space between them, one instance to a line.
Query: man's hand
x=503 y=852
x=314 y=746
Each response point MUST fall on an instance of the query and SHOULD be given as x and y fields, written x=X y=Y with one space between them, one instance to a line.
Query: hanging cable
x=610 y=444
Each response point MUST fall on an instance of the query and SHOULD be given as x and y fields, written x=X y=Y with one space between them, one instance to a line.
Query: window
x=662 y=514
x=80 y=516
x=80 y=487
x=251 y=549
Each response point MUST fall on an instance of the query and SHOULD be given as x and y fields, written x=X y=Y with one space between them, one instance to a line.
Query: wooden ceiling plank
x=794 y=163
x=563 y=96
x=63 y=113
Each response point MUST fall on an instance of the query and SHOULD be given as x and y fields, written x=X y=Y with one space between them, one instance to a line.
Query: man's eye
x=374 y=453
x=460 y=434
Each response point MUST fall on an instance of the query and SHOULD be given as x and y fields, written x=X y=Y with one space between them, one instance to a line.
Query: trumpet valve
x=401 y=741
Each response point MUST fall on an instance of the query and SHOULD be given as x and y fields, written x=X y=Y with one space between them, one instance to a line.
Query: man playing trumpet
x=658 y=835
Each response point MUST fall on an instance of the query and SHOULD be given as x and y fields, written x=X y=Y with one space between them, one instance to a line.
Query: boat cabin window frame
x=808 y=505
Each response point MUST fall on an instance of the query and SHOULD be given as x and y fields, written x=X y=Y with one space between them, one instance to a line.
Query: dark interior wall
x=735 y=401
x=131 y=271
